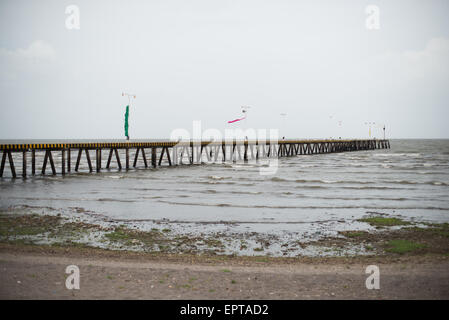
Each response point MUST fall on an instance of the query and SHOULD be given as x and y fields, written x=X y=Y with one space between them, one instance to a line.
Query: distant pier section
x=170 y=153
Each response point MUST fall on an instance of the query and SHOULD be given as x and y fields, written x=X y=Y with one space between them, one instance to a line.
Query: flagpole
x=283 y=116
x=245 y=111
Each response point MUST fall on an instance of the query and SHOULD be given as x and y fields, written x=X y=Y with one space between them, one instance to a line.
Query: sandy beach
x=38 y=272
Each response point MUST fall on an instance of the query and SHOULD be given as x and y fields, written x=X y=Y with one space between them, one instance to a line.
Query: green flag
x=126 y=121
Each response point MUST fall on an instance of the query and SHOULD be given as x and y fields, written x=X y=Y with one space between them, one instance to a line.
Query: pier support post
x=175 y=155
x=168 y=156
x=109 y=158
x=44 y=165
x=52 y=164
x=78 y=159
x=24 y=164
x=136 y=156
x=144 y=157
x=88 y=160
x=153 y=157
x=63 y=161
x=11 y=165
x=127 y=158
x=68 y=160
x=162 y=154
x=2 y=167
x=33 y=162
x=48 y=157
x=223 y=150
x=98 y=159
x=118 y=159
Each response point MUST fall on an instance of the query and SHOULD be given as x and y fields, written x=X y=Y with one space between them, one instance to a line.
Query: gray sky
x=203 y=59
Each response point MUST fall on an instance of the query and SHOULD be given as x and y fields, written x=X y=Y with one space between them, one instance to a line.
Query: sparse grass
x=384 y=222
x=354 y=234
x=226 y=270
x=26 y=225
x=131 y=237
x=233 y=281
x=118 y=234
x=243 y=245
x=440 y=230
x=213 y=243
x=403 y=246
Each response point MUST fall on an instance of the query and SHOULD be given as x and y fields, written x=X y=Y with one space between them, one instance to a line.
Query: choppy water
x=309 y=194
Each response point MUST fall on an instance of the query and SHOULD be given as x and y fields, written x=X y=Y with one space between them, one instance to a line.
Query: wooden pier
x=172 y=152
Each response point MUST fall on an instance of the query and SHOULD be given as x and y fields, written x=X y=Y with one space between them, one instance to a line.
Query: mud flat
x=119 y=262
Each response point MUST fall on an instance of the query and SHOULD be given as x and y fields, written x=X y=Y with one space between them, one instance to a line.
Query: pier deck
x=173 y=152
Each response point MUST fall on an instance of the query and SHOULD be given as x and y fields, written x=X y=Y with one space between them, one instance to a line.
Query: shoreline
x=413 y=262
x=385 y=236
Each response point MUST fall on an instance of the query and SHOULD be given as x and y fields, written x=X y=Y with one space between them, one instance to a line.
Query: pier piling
x=63 y=162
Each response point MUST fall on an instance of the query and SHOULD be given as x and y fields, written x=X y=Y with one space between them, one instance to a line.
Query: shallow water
x=309 y=195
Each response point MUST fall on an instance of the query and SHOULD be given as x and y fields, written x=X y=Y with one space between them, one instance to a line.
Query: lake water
x=308 y=196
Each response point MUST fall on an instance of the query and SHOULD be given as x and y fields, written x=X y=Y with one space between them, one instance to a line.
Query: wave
x=411 y=154
x=213 y=182
x=149 y=189
x=435 y=183
x=295 y=195
x=375 y=188
x=311 y=187
x=217 y=177
x=232 y=205
x=405 y=182
x=113 y=200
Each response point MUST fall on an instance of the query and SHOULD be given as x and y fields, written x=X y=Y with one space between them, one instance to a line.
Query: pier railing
x=173 y=152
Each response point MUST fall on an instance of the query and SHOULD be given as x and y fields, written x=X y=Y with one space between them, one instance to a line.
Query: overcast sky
x=191 y=60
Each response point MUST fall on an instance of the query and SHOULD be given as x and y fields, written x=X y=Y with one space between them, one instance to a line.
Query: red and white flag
x=232 y=121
